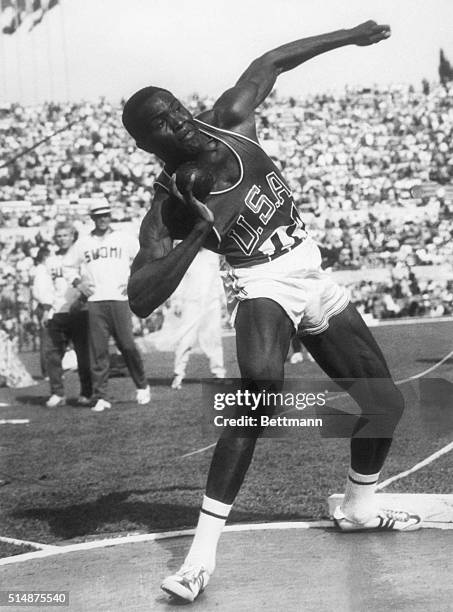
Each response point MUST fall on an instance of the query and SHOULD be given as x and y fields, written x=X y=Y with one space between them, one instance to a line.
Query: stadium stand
x=351 y=160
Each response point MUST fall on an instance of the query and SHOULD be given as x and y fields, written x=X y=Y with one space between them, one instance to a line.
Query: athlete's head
x=160 y=124
x=64 y=234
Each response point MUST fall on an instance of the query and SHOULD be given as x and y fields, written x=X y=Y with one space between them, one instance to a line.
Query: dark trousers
x=42 y=353
x=112 y=318
x=61 y=329
x=296 y=344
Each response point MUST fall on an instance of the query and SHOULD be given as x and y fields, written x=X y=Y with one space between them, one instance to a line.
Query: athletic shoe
x=177 y=382
x=55 y=401
x=143 y=396
x=82 y=400
x=385 y=520
x=101 y=405
x=296 y=358
x=187 y=583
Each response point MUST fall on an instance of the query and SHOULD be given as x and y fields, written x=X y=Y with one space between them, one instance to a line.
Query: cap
x=99 y=206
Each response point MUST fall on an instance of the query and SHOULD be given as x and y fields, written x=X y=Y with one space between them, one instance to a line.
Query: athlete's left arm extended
x=254 y=85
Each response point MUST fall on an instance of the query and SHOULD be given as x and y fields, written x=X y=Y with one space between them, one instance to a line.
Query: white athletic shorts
x=295 y=280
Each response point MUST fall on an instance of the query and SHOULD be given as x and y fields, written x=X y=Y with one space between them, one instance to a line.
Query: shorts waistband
x=267 y=258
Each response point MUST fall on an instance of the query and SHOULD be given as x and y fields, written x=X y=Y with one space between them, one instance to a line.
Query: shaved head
x=134 y=111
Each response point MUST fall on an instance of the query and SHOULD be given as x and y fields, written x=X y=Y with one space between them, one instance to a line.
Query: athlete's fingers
x=187 y=190
x=380 y=36
x=200 y=208
x=190 y=200
x=174 y=189
x=191 y=182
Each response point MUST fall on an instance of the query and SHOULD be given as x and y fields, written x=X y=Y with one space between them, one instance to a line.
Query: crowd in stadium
x=349 y=157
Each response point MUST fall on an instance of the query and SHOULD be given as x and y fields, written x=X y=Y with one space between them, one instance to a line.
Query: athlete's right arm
x=158 y=268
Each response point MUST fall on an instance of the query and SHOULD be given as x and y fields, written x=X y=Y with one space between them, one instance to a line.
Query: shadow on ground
x=125 y=508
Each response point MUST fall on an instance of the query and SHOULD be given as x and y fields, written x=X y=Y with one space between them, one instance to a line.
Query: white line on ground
x=26 y=543
x=417 y=466
x=434 y=367
x=195 y=452
x=152 y=537
x=14 y=421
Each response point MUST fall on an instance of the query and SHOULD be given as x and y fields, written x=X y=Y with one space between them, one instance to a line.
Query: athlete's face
x=172 y=132
x=64 y=238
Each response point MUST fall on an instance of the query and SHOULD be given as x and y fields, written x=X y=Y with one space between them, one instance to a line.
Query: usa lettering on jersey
x=260 y=209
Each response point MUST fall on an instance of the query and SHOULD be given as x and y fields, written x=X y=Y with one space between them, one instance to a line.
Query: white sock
x=359 y=503
x=213 y=515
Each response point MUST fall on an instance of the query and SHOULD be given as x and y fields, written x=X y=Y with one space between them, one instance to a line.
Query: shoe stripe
x=362 y=483
x=219 y=516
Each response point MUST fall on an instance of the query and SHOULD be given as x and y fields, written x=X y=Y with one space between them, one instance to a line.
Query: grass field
x=71 y=474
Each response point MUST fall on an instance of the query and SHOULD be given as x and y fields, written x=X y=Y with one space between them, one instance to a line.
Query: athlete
x=63 y=320
x=105 y=256
x=276 y=286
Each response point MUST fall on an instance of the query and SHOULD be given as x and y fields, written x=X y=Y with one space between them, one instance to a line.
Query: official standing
x=106 y=255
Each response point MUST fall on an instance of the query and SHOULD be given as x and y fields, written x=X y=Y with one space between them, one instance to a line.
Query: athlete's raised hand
x=369 y=33
x=196 y=206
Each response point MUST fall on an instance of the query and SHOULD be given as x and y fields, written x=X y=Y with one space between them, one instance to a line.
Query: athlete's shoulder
x=219 y=121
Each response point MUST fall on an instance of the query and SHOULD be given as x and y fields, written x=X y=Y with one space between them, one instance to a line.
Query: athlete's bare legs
x=263 y=333
x=346 y=350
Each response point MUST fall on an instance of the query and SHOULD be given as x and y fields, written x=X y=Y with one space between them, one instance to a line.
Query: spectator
x=64 y=316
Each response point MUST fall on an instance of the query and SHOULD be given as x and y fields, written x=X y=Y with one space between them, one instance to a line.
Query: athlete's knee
x=385 y=405
x=385 y=393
